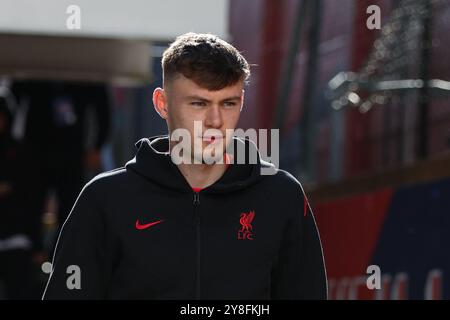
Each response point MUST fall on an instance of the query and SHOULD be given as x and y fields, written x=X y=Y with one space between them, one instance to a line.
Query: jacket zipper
x=197 y=225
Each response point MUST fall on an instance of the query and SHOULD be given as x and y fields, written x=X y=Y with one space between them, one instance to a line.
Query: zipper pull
x=196 y=198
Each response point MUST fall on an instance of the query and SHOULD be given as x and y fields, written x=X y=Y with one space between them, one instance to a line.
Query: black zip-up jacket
x=141 y=232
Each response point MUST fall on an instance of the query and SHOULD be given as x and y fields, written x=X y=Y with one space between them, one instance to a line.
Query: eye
x=229 y=104
x=198 y=103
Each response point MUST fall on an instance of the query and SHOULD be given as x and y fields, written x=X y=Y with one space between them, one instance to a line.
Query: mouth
x=211 y=139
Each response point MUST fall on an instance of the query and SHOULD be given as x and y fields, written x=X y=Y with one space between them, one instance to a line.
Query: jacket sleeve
x=299 y=272
x=80 y=267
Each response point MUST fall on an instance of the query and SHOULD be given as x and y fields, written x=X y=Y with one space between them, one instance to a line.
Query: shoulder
x=289 y=195
x=286 y=190
x=107 y=183
x=284 y=181
x=109 y=176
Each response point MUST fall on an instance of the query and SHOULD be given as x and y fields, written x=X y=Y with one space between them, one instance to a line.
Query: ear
x=160 y=102
x=242 y=100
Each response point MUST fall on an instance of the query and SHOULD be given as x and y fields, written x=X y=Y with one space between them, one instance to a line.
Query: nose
x=214 y=117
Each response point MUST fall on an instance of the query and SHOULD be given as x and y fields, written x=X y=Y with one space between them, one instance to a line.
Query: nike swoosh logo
x=145 y=226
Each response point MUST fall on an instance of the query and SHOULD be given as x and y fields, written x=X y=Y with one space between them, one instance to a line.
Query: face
x=182 y=102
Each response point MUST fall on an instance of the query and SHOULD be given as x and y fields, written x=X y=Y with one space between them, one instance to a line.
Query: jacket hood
x=153 y=162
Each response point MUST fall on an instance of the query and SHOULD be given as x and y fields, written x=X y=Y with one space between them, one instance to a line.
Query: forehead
x=182 y=87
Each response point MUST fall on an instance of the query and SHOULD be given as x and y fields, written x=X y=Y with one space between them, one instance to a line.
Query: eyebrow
x=194 y=97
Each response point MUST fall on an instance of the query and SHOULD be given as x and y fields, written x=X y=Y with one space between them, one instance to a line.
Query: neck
x=202 y=175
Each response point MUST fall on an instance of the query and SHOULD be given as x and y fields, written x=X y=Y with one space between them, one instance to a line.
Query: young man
x=160 y=228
